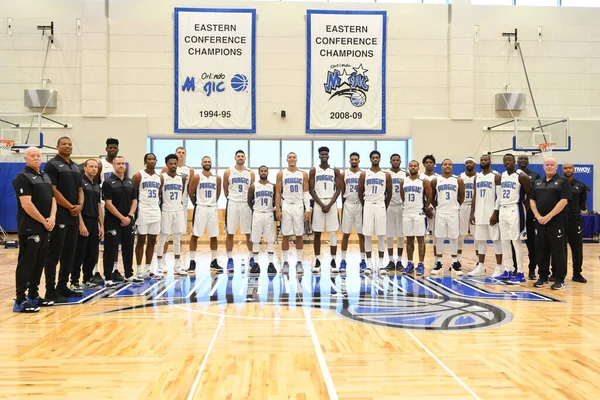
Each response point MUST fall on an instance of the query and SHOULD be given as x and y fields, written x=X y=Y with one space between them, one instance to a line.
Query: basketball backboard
x=24 y=128
x=529 y=133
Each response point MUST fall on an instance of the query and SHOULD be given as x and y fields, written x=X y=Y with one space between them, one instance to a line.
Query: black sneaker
x=271 y=268
x=66 y=292
x=56 y=297
x=540 y=283
x=532 y=276
x=97 y=279
x=215 y=265
x=391 y=266
x=76 y=287
x=255 y=268
x=40 y=301
x=399 y=266
x=437 y=269
x=333 y=265
x=552 y=278
x=579 y=278
x=457 y=268
x=117 y=277
x=558 y=285
x=192 y=268
x=24 y=306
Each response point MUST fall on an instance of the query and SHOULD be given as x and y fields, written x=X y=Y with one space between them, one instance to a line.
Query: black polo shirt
x=122 y=194
x=91 y=194
x=533 y=176
x=39 y=187
x=578 y=201
x=67 y=179
x=548 y=193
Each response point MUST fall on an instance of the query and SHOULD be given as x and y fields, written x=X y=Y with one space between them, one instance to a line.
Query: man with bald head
x=577 y=205
x=35 y=219
x=549 y=200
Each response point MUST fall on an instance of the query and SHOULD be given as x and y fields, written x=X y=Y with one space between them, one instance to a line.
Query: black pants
x=551 y=241
x=87 y=251
x=112 y=237
x=30 y=265
x=575 y=232
x=530 y=226
x=63 y=243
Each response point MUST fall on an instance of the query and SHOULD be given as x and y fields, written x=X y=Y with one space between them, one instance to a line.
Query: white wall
x=117 y=78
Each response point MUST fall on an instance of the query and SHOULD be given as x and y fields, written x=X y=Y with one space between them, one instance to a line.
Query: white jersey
x=148 y=199
x=428 y=177
x=469 y=186
x=511 y=188
x=375 y=186
x=414 y=196
x=239 y=182
x=447 y=195
x=185 y=172
x=325 y=182
x=293 y=186
x=351 y=181
x=397 y=178
x=264 y=197
x=486 y=197
x=172 y=193
x=107 y=170
x=206 y=192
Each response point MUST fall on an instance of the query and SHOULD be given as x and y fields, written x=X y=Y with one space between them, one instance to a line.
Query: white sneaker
x=498 y=271
x=159 y=271
x=180 y=271
x=367 y=271
x=140 y=273
x=478 y=271
x=382 y=271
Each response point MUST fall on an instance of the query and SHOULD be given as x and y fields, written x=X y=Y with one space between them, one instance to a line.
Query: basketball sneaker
x=192 y=269
x=410 y=268
x=578 y=278
x=517 y=278
x=271 y=268
x=25 y=306
x=117 y=277
x=179 y=270
x=457 y=268
x=40 y=301
x=478 y=271
x=367 y=271
x=97 y=279
x=251 y=262
x=230 y=266
x=343 y=266
x=506 y=275
x=255 y=269
x=399 y=266
x=558 y=285
x=299 y=268
x=214 y=264
x=90 y=285
x=383 y=271
x=76 y=287
x=420 y=268
x=391 y=266
x=498 y=272
x=317 y=267
x=134 y=279
x=540 y=283
x=285 y=268
x=334 y=267
x=56 y=297
x=66 y=292
x=438 y=269
x=363 y=265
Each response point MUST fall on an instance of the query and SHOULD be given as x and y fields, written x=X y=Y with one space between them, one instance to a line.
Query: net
x=546 y=149
x=6 y=144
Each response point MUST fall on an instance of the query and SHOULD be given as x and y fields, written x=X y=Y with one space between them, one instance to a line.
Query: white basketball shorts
x=321 y=221
x=413 y=225
x=374 y=219
x=292 y=219
x=206 y=219
x=352 y=217
x=172 y=222
x=263 y=224
x=446 y=225
x=238 y=213
x=512 y=221
x=394 y=221
x=465 y=223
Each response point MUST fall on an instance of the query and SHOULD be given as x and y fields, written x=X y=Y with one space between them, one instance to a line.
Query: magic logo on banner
x=345 y=71
x=215 y=70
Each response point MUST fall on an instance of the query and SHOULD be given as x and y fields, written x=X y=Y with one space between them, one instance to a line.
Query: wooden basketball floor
x=312 y=337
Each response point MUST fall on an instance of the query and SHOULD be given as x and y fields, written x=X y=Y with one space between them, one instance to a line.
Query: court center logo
x=400 y=302
x=348 y=81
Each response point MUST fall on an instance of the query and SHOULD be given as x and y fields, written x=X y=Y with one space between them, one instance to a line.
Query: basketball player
x=468 y=178
x=484 y=215
x=375 y=194
x=205 y=190
x=352 y=211
x=261 y=198
x=292 y=207
x=324 y=184
x=172 y=220
x=449 y=191
x=429 y=174
x=120 y=202
x=415 y=192
x=523 y=162
x=236 y=182
x=512 y=218
x=394 y=215
x=148 y=186
x=186 y=172
x=91 y=229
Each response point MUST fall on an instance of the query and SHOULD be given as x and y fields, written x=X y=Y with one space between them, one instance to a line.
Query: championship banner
x=215 y=70
x=345 y=71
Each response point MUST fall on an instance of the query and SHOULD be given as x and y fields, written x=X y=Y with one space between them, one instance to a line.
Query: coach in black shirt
x=66 y=184
x=121 y=202
x=523 y=162
x=549 y=199
x=577 y=204
x=35 y=218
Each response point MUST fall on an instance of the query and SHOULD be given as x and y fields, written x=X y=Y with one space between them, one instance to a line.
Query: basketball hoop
x=6 y=145
x=546 y=149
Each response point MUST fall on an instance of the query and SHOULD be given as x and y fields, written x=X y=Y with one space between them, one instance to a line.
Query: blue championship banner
x=345 y=90
x=215 y=70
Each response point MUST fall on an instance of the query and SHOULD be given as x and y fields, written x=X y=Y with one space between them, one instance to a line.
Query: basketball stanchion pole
x=6 y=146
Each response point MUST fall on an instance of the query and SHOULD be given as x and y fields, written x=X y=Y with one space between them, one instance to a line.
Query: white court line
x=210 y=346
x=217 y=284
x=448 y=370
x=196 y=287
x=321 y=357
x=255 y=318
